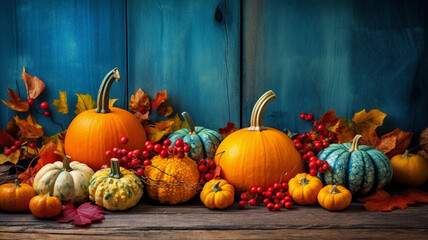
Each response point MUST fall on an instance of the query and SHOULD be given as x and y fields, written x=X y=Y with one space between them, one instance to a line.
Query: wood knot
x=218 y=15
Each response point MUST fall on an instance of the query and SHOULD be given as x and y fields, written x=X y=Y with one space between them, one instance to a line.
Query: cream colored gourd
x=65 y=180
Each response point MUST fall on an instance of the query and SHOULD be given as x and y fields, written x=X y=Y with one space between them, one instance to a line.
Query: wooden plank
x=70 y=45
x=357 y=54
x=180 y=46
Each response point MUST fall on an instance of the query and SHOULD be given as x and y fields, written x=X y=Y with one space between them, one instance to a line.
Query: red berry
x=313 y=159
x=179 y=142
x=208 y=176
x=282 y=202
x=277 y=207
x=259 y=190
x=321 y=170
x=136 y=152
x=167 y=142
x=140 y=172
x=331 y=138
x=104 y=166
x=270 y=206
x=318 y=145
x=244 y=196
x=310 y=117
x=32 y=145
x=130 y=154
x=124 y=140
x=296 y=140
x=149 y=147
x=211 y=164
x=185 y=144
x=145 y=153
x=180 y=149
x=165 y=148
x=313 y=165
x=320 y=127
x=276 y=186
x=279 y=195
x=305 y=157
x=269 y=194
x=163 y=153
x=47 y=113
x=123 y=152
x=288 y=205
x=270 y=189
x=325 y=144
x=147 y=143
x=141 y=109
x=316 y=123
x=266 y=201
x=147 y=162
x=242 y=203
x=186 y=148
x=108 y=153
x=313 y=172
x=8 y=152
x=13 y=148
x=44 y=105
x=253 y=190
x=325 y=165
x=298 y=145
x=202 y=161
x=135 y=162
x=157 y=148
x=30 y=101
x=287 y=198
x=115 y=149
x=319 y=163
x=252 y=202
x=181 y=155
x=310 y=154
x=124 y=159
x=18 y=143
x=202 y=168
x=284 y=185
x=302 y=116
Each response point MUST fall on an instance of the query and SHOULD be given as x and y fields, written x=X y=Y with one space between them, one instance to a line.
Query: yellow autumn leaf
x=165 y=126
x=154 y=134
x=366 y=122
x=61 y=103
x=13 y=158
x=84 y=102
x=111 y=102
x=178 y=123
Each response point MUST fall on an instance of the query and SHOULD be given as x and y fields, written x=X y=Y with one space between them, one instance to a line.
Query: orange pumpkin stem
x=16 y=184
x=334 y=190
x=66 y=163
x=259 y=108
x=190 y=123
x=115 y=169
x=355 y=142
x=303 y=181
x=406 y=154
x=104 y=91
x=216 y=187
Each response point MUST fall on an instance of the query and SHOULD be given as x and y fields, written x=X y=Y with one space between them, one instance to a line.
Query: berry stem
x=259 y=108
x=190 y=123
x=354 y=146
x=216 y=187
x=104 y=91
x=115 y=169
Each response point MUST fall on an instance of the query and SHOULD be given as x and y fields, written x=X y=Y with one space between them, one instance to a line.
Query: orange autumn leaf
x=344 y=132
x=423 y=139
x=159 y=99
x=370 y=138
x=143 y=117
x=384 y=202
x=229 y=129
x=395 y=142
x=49 y=157
x=363 y=121
x=34 y=85
x=139 y=102
x=15 y=102
x=48 y=147
x=28 y=127
x=28 y=176
x=329 y=119
x=165 y=111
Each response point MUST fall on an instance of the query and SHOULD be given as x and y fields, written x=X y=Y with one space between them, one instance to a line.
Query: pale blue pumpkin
x=203 y=141
x=361 y=169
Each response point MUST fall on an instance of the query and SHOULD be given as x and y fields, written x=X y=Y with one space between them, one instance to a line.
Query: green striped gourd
x=361 y=169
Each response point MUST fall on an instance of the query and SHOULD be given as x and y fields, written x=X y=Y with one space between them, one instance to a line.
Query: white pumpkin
x=65 y=180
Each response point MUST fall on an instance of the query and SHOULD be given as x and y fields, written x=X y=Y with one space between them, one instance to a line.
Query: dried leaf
x=154 y=134
x=84 y=102
x=29 y=128
x=217 y=172
x=178 y=123
x=12 y=129
x=85 y=214
x=49 y=147
x=329 y=119
x=28 y=176
x=61 y=103
x=48 y=157
x=423 y=139
x=416 y=194
x=226 y=131
x=143 y=117
x=140 y=102
x=395 y=142
x=34 y=85
x=15 y=102
x=159 y=99
x=5 y=139
x=363 y=121
x=384 y=202
x=111 y=102
x=343 y=131
x=165 y=111
x=13 y=158
x=165 y=126
x=423 y=154
x=370 y=138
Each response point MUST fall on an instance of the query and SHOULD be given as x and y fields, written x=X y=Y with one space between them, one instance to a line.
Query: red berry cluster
x=274 y=197
x=137 y=159
x=17 y=145
x=311 y=143
x=206 y=167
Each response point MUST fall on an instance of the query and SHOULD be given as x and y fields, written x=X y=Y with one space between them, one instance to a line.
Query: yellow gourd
x=409 y=169
x=304 y=188
x=218 y=194
x=334 y=198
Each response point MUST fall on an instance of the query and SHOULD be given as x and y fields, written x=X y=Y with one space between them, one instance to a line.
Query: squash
x=409 y=169
x=115 y=188
x=92 y=132
x=172 y=180
x=334 y=198
x=65 y=180
x=203 y=141
x=304 y=189
x=258 y=155
x=361 y=169
x=45 y=206
x=218 y=194
x=15 y=197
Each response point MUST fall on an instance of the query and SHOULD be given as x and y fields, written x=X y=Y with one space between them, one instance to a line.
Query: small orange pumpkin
x=304 y=188
x=409 y=169
x=334 y=197
x=258 y=155
x=218 y=194
x=15 y=197
x=44 y=206
x=92 y=132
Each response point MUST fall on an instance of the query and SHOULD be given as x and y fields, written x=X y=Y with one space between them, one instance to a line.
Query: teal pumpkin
x=361 y=169
x=203 y=141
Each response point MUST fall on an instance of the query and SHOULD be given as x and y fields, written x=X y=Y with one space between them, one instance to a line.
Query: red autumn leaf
x=226 y=131
x=384 y=202
x=5 y=139
x=165 y=111
x=139 y=102
x=217 y=172
x=329 y=118
x=34 y=85
x=28 y=176
x=16 y=102
x=159 y=99
x=49 y=157
x=416 y=194
x=85 y=214
x=395 y=142
x=423 y=139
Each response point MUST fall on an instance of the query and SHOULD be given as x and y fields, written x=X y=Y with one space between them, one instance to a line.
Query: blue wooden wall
x=216 y=57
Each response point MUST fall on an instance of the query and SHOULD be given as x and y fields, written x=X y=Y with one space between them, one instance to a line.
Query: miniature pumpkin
x=203 y=141
x=92 y=132
x=15 y=197
x=45 y=206
x=115 y=188
x=67 y=181
x=361 y=169
x=258 y=155
x=409 y=169
x=304 y=189
x=334 y=197
x=218 y=194
x=172 y=180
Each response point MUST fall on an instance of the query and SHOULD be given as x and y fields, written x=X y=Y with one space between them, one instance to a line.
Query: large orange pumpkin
x=258 y=155
x=93 y=132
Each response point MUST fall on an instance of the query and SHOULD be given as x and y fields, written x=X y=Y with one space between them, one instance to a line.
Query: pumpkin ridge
x=383 y=161
x=376 y=177
x=333 y=163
